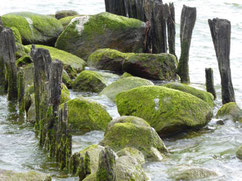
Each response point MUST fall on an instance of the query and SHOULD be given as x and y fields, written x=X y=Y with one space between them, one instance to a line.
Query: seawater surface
x=213 y=147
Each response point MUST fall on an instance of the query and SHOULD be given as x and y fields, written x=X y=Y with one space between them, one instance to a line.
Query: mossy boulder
x=230 y=111
x=66 y=79
x=122 y=85
x=65 y=13
x=7 y=175
x=66 y=20
x=205 y=96
x=152 y=66
x=108 y=59
x=17 y=35
x=167 y=110
x=65 y=57
x=239 y=153
x=130 y=131
x=65 y=94
x=34 y=28
x=89 y=81
x=132 y=152
x=86 y=34
x=85 y=115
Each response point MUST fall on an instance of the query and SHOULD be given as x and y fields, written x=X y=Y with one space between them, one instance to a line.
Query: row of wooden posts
x=160 y=18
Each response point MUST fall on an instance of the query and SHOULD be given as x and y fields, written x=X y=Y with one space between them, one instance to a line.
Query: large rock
x=65 y=13
x=167 y=110
x=34 y=28
x=205 y=96
x=239 y=153
x=152 y=66
x=89 y=81
x=85 y=115
x=7 y=175
x=130 y=131
x=230 y=111
x=65 y=57
x=122 y=85
x=86 y=34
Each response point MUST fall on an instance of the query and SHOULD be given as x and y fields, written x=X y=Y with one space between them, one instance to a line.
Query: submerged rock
x=130 y=131
x=167 y=110
x=205 y=96
x=122 y=85
x=85 y=115
x=86 y=34
x=230 y=111
x=152 y=66
x=239 y=153
x=89 y=81
x=34 y=28
x=7 y=175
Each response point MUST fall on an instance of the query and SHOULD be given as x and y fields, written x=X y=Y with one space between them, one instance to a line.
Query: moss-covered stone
x=205 y=96
x=89 y=81
x=24 y=60
x=167 y=110
x=239 y=153
x=21 y=50
x=230 y=111
x=122 y=85
x=65 y=94
x=67 y=58
x=66 y=79
x=7 y=175
x=108 y=59
x=85 y=115
x=152 y=66
x=91 y=177
x=34 y=28
x=132 y=152
x=65 y=13
x=17 y=35
x=66 y=20
x=130 y=131
x=125 y=74
x=86 y=34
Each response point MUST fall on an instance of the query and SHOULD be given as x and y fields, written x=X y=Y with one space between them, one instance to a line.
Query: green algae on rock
x=34 y=28
x=89 y=81
x=205 y=96
x=86 y=34
x=85 y=115
x=130 y=131
x=230 y=111
x=167 y=110
x=24 y=60
x=66 y=20
x=65 y=94
x=239 y=153
x=66 y=79
x=65 y=57
x=152 y=66
x=122 y=85
x=17 y=35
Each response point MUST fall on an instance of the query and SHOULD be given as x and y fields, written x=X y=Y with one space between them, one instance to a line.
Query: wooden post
x=209 y=81
x=115 y=7
x=221 y=32
x=188 y=18
x=42 y=61
x=171 y=28
x=8 y=54
x=21 y=89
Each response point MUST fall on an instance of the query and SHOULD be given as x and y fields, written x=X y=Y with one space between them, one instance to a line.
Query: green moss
x=239 y=153
x=17 y=35
x=125 y=74
x=65 y=94
x=24 y=60
x=89 y=81
x=167 y=110
x=34 y=28
x=230 y=111
x=205 y=96
x=66 y=79
x=85 y=115
x=66 y=20
x=67 y=58
x=122 y=85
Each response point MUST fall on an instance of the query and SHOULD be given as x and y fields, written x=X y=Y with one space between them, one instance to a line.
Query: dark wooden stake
x=210 y=81
x=21 y=93
x=171 y=28
x=188 y=19
x=8 y=53
x=115 y=7
x=221 y=32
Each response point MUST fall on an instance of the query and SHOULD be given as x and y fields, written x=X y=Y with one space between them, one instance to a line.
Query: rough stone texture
x=89 y=81
x=85 y=115
x=239 y=153
x=230 y=111
x=167 y=110
x=34 y=28
x=130 y=131
x=122 y=85
x=205 y=96
x=88 y=33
